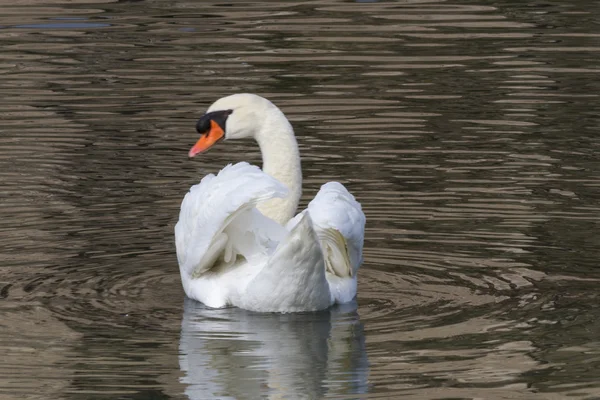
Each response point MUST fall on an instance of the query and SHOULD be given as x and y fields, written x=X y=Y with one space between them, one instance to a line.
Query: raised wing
x=339 y=222
x=218 y=221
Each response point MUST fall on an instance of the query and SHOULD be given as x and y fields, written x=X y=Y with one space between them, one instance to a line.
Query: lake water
x=468 y=130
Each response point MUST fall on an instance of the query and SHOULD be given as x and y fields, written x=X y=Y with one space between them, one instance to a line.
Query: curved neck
x=281 y=160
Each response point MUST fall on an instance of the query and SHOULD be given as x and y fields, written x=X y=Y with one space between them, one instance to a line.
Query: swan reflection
x=232 y=353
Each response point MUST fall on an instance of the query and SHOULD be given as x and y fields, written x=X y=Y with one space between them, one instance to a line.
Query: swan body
x=238 y=241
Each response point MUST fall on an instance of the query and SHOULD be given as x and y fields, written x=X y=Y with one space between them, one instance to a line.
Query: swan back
x=231 y=254
x=294 y=276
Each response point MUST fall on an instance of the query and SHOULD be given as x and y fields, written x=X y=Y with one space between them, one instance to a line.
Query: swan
x=238 y=242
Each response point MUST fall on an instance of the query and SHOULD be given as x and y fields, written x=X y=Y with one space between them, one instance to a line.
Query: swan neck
x=281 y=160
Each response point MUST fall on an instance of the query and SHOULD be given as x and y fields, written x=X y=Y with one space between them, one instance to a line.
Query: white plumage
x=232 y=254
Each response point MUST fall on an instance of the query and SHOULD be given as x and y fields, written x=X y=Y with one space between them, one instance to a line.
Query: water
x=469 y=131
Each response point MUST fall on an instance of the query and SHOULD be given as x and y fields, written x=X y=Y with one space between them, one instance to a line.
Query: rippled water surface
x=469 y=131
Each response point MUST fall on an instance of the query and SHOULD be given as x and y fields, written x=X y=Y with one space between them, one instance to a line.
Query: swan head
x=237 y=116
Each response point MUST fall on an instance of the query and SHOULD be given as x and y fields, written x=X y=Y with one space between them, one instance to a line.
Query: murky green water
x=469 y=131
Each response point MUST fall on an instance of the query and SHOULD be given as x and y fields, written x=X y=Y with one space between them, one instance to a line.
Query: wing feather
x=215 y=203
x=340 y=224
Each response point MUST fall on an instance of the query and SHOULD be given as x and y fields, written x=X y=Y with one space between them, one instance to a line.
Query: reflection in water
x=233 y=353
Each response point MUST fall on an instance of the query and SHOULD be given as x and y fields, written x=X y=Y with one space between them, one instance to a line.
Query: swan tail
x=211 y=215
x=294 y=276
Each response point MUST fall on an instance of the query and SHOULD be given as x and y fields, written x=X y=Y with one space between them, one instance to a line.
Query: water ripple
x=467 y=132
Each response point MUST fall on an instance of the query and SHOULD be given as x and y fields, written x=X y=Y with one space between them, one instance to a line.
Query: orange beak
x=208 y=139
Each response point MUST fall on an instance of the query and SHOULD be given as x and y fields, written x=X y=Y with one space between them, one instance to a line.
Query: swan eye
x=204 y=123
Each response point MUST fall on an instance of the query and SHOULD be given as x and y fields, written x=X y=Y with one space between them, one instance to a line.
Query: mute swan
x=237 y=243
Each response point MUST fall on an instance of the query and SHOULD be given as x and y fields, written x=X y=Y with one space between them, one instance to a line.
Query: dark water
x=469 y=131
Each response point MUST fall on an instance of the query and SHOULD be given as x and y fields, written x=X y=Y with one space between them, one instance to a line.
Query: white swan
x=237 y=243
